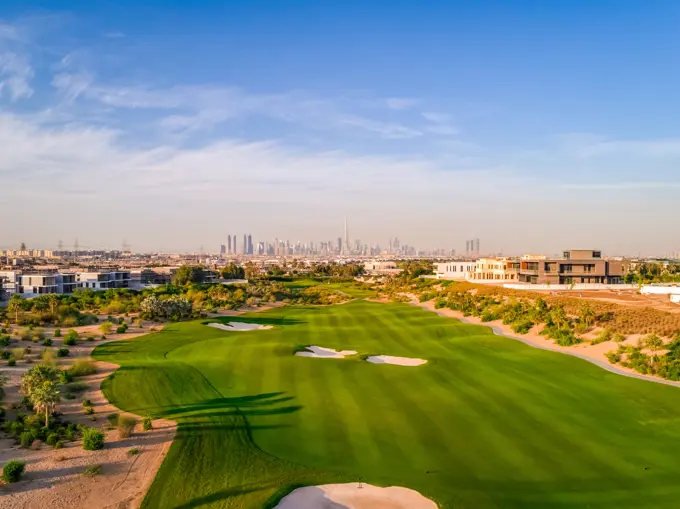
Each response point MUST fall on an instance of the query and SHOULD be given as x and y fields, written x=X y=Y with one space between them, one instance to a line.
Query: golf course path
x=604 y=365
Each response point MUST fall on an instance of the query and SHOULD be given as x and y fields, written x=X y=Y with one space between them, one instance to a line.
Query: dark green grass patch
x=488 y=422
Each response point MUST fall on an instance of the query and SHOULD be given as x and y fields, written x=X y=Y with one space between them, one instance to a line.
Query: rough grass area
x=487 y=423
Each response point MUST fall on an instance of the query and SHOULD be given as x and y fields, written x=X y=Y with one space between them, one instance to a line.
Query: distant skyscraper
x=223 y=250
x=250 y=245
x=233 y=242
x=229 y=244
x=346 y=242
x=245 y=244
x=477 y=247
x=339 y=244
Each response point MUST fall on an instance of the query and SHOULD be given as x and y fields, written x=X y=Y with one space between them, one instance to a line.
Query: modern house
x=104 y=280
x=376 y=267
x=496 y=270
x=575 y=267
x=458 y=270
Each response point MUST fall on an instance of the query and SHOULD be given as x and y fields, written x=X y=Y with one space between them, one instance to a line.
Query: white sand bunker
x=325 y=353
x=239 y=326
x=355 y=496
x=397 y=361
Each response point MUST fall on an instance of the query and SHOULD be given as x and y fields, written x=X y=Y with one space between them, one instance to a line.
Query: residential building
x=501 y=270
x=99 y=280
x=376 y=267
x=575 y=267
x=457 y=269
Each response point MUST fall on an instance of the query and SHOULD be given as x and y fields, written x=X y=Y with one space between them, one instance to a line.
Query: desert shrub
x=113 y=419
x=62 y=352
x=604 y=335
x=126 y=426
x=87 y=402
x=581 y=327
x=52 y=439
x=522 y=326
x=65 y=376
x=18 y=353
x=47 y=342
x=133 y=452
x=88 y=410
x=93 y=439
x=26 y=439
x=6 y=354
x=26 y=334
x=12 y=471
x=618 y=337
x=71 y=338
x=38 y=334
x=83 y=367
x=11 y=361
x=565 y=337
x=92 y=470
x=48 y=357
x=70 y=395
x=147 y=423
x=5 y=340
x=122 y=329
x=58 y=445
x=57 y=333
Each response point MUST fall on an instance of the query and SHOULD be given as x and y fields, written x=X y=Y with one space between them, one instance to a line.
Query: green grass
x=355 y=290
x=488 y=423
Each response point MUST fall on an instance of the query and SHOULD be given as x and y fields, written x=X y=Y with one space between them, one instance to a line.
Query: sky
x=534 y=126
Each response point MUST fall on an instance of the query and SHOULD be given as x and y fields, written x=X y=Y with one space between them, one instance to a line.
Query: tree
x=586 y=314
x=3 y=381
x=36 y=376
x=188 y=274
x=653 y=343
x=40 y=304
x=16 y=305
x=53 y=300
x=44 y=398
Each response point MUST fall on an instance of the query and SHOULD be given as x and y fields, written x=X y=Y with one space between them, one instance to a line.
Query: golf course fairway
x=488 y=422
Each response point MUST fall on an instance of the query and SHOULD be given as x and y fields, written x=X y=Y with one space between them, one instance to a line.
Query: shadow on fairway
x=271 y=403
x=224 y=495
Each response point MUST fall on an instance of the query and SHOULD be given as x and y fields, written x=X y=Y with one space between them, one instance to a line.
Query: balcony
x=532 y=272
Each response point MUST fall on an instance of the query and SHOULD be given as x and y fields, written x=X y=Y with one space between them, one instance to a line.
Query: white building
x=104 y=280
x=459 y=270
x=376 y=267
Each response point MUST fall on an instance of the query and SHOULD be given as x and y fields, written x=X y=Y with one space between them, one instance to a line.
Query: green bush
x=47 y=342
x=6 y=354
x=12 y=471
x=64 y=376
x=147 y=423
x=58 y=445
x=11 y=361
x=87 y=402
x=92 y=471
x=26 y=439
x=122 y=329
x=604 y=335
x=77 y=387
x=126 y=426
x=71 y=338
x=57 y=333
x=522 y=326
x=62 y=352
x=52 y=439
x=93 y=439
x=133 y=452
x=88 y=410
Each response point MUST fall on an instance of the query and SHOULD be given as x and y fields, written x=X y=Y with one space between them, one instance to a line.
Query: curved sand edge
x=321 y=352
x=545 y=345
x=355 y=496
x=397 y=361
x=239 y=326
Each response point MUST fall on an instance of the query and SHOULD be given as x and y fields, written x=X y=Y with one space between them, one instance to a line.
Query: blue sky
x=516 y=122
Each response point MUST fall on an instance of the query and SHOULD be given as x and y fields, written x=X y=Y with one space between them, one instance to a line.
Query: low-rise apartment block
x=496 y=270
x=104 y=280
x=457 y=270
x=575 y=267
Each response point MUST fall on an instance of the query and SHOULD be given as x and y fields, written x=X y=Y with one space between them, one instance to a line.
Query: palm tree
x=653 y=343
x=53 y=299
x=45 y=398
x=40 y=304
x=15 y=305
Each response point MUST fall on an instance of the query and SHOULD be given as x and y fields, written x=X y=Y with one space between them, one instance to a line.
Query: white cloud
x=15 y=75
x=401 y=103
x=437 y=118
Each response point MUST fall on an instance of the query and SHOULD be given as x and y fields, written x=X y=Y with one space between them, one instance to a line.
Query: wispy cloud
x=623 y=186
x=15 y=75
x=401 y=103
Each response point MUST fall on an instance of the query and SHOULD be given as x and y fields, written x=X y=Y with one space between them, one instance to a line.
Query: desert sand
x=54 y=477
x=239 y=326
x=595 y=354
x=325 y=353
x=355 y=496
x=397 y=361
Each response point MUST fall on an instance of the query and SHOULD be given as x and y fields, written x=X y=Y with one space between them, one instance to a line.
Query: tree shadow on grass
x=258 y=404
x=224 y=495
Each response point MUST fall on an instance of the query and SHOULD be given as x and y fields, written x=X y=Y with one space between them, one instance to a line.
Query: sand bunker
x=325 y=353
x=355 y=496
x=397 y=361
x=239 y=326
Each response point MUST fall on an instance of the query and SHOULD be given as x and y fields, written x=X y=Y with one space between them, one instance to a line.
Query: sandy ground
x=54 y=477
x=239 y=326
x=397 y=361
x=325 y=353
x=629 y=298
x=591 y=353
x=355 y=496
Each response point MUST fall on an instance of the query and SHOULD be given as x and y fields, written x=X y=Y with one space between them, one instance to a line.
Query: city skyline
x=529 y=139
